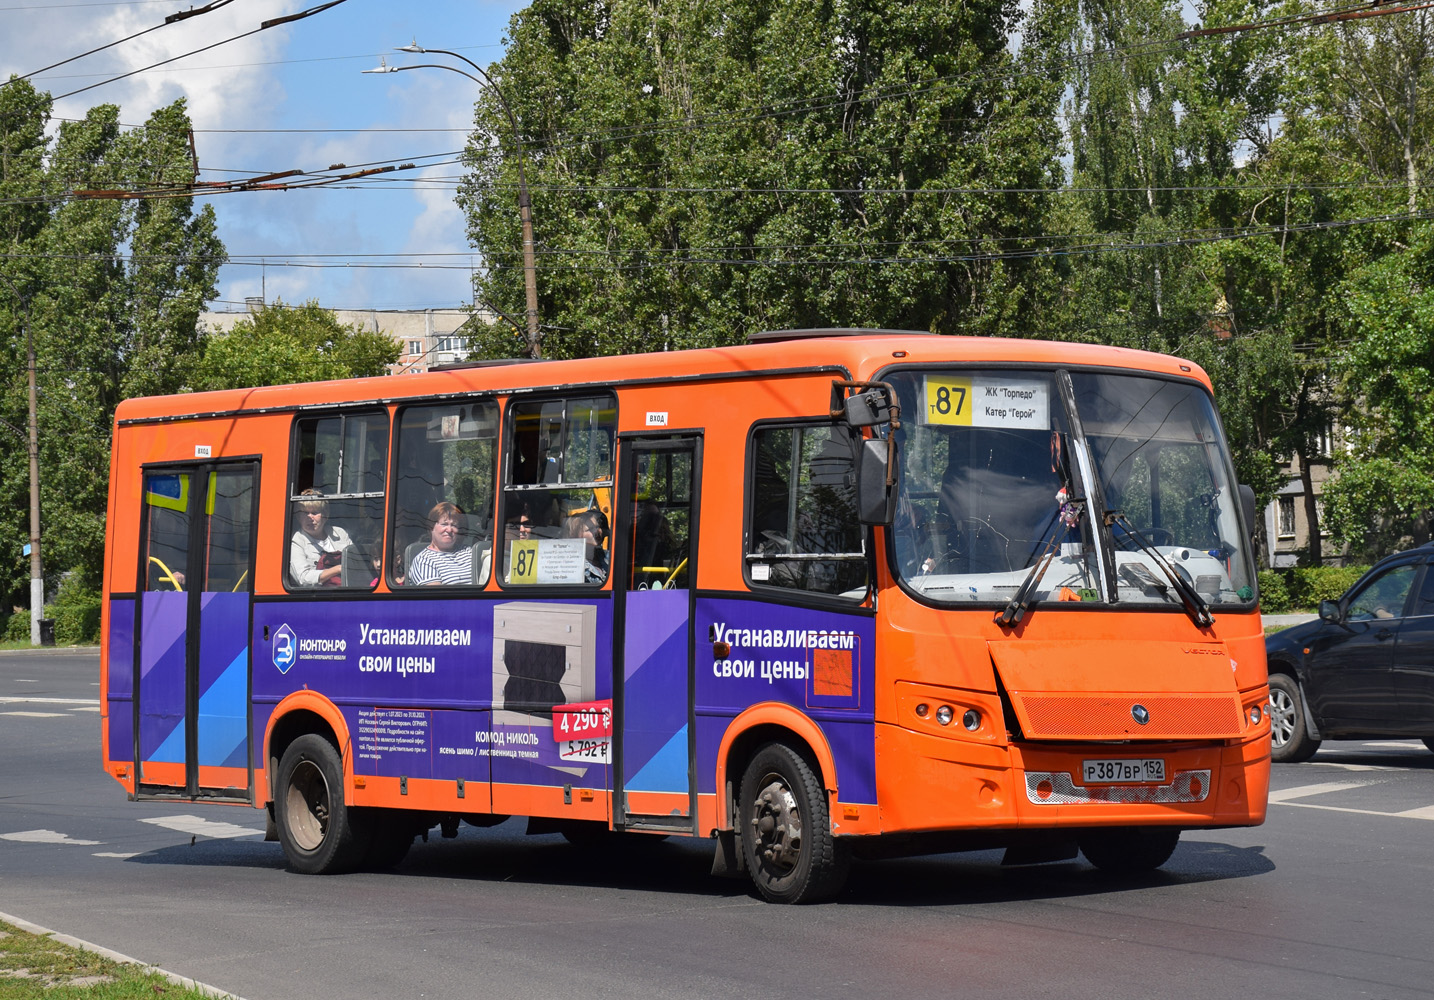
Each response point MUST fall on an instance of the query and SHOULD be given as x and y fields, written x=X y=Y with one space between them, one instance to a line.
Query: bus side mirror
x=876 y=503
x=866 y=409
x=1247 y=506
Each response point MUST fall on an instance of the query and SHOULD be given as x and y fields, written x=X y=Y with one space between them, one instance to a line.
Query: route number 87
x=946 y=398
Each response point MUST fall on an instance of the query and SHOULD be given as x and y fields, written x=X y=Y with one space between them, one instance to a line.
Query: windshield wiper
x=1025 y=595
x=1195 y=605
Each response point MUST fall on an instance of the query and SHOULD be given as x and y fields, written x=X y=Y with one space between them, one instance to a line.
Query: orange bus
x=829 y=594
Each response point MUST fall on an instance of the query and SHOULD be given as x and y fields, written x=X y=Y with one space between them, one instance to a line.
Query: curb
x=114 y=956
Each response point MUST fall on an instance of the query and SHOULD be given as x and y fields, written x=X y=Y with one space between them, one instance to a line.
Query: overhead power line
x=273 y=22
x=171 y=19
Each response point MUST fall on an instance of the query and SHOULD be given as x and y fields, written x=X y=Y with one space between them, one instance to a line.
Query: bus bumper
x=947 y=784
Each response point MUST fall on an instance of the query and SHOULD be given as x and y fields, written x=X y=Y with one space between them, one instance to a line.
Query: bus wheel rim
x=777 y=826
x=308 y=806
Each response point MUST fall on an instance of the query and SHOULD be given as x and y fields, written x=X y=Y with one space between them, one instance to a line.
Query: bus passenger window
x=337 y=500
x=444 y=486
x=557 y=498
x=803 y=532
x=166 y=507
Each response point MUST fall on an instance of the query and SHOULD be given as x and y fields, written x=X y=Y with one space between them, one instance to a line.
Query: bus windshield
x=1099 y=485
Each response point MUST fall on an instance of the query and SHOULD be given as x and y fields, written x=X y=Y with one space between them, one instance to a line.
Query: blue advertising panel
x=443 y=688
x=821 y=662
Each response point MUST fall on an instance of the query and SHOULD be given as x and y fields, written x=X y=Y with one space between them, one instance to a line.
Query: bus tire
x=1290 y=741
x=1129 y=849
x=787 y=839
x=320 y=835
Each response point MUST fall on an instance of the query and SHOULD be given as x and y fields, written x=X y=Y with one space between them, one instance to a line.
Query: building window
x=1287 y=517
x=415 y=347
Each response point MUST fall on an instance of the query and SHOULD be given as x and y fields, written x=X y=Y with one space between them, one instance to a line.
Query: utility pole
x=525 y=204
x=37 y=573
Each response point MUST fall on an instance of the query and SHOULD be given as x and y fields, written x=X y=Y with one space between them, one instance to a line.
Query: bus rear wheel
x=786 y=829
x=320 y=835
x=1127 y=850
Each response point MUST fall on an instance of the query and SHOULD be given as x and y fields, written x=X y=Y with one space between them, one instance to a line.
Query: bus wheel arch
x=300 y=713
x=769 y=722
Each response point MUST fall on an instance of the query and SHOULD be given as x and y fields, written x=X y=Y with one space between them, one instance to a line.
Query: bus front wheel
x=319 y=833
x=786 y=829
x=1127 y=850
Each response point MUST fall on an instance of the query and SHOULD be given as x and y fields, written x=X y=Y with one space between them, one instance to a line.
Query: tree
x=701 y=172
x=290 y=344
x=113 y=290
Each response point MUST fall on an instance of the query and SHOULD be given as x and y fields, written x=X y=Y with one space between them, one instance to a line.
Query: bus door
x=192 y=668
x=655 y=563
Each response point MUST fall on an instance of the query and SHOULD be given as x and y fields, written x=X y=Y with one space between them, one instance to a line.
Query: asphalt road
x=1328 y=899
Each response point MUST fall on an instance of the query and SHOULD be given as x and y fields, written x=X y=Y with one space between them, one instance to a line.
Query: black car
x=1364 y=668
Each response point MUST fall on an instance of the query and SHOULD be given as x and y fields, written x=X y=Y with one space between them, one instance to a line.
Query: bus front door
x=655 y=558
x=192 y=668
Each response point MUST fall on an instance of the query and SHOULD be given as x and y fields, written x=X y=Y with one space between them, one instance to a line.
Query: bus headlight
x=944 y=715
x=1255 y=715
x=971 y=720
x=921 y=710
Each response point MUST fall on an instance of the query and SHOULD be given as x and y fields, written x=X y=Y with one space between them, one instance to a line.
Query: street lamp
x=525 y=208
x=37 y=574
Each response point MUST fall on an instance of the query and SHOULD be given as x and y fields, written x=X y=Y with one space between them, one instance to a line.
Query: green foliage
x=17 y=627
x=1274 y=594
x=700 y=172
x=109 y=292
x=290 y=344
x=1302 y=588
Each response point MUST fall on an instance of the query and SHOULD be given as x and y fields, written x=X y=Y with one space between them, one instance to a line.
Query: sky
x=294 y=97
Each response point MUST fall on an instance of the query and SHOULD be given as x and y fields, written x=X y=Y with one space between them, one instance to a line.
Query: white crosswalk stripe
x=200 y=827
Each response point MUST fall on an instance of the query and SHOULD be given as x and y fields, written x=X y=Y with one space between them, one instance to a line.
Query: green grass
x=36 y=967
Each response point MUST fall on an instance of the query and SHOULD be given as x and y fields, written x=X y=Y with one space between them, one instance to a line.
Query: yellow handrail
x=167 y=574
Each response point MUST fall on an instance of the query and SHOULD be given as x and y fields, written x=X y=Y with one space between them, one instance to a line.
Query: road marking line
x=117 y=854
x=26 y=700
x=47 y=837
x=1356 y=767
x=37 y=715
x=85 y=708
x=199 y=827
x=1302 y=791
x=1398 y=744
x=1425 y=812
x=25 y=680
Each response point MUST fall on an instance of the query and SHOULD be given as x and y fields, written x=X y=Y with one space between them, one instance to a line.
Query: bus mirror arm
x=876 y=403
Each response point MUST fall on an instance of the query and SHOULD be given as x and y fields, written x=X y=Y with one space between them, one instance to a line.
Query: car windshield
x=1002 y=471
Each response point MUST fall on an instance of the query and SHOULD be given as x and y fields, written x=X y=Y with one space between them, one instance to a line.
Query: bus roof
x=861 y=353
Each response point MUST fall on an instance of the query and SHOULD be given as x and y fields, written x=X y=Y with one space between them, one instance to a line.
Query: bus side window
x=802 y=504
x=337 y=501
x=557 y=494
x=445 y=470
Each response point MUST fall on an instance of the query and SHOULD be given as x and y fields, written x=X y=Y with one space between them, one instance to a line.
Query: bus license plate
x=1147 y=771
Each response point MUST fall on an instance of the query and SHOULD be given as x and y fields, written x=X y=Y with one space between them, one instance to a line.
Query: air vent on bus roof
x=772 y=336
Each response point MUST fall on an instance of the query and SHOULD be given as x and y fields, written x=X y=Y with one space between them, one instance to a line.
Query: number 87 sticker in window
x=584 y=731
x=948 y=400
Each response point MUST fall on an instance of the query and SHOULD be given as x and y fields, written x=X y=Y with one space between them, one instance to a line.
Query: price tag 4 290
x=584 y=731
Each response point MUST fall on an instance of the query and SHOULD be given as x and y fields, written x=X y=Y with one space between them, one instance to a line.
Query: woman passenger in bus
x=444 y=561
x=316 y=549
x=590 y=525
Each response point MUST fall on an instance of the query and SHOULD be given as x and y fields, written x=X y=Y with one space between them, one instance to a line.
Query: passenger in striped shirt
x=444 y=561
